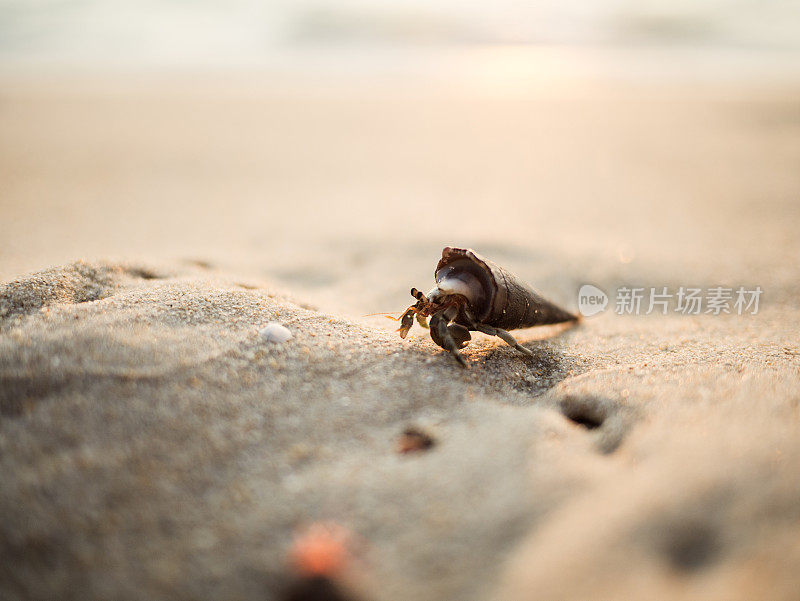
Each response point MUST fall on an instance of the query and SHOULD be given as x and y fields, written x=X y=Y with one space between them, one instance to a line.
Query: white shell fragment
x=275 y=332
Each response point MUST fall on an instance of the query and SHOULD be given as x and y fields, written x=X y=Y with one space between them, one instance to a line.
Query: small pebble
x=275 y=332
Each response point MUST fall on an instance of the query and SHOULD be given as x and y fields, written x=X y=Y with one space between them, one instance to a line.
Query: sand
x=154 y=445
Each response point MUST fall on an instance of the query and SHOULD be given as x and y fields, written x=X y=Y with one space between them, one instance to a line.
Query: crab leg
x=443 y=337
x=500 y=333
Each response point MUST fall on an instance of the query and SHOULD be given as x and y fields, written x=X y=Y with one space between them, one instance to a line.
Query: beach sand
x=153 y=445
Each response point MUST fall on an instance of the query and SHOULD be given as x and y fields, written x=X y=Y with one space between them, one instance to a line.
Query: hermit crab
x=474 y=294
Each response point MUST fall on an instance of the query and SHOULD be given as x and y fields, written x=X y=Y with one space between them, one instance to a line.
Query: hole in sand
x=692 y=546
x=413 y=440
x=605 y=417
x=588 y=422
x=583 y=412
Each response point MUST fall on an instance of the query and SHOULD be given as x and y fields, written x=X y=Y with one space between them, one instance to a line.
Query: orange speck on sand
x=321 y=550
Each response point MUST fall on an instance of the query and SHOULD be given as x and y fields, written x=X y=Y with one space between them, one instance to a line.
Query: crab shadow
x=529 y=375
x=499 y=368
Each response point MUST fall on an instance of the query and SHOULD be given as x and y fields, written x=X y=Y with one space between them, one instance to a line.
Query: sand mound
x=80 y=282
x=153 y=445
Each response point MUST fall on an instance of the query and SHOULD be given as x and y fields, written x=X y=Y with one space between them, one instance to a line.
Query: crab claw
x=458 y=333
x=406 y=321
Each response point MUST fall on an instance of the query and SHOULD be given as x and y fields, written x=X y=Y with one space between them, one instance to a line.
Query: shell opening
x=468 y=278
x=463 y=283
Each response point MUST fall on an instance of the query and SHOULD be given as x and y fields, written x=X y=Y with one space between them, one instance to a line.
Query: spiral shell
x=496 y=296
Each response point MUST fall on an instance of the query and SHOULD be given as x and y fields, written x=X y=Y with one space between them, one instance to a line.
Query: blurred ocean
x=353 y=34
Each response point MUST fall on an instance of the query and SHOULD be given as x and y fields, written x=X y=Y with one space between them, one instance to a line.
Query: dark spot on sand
x=317 y=588
x=413 y=440
x=19 y=395
x=15 y=406
x=691 y=546
x=143 y=273
x=201 y=263
x=40 y=551
x=588 y=422
x=607 y=421
x=585 y=412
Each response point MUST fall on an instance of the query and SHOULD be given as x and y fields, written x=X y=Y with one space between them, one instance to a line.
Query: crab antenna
x=389 y=315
